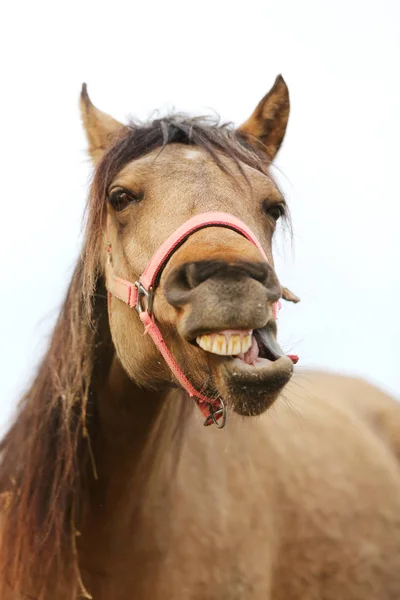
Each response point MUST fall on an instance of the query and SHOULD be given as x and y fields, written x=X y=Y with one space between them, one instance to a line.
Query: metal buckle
x=214 y=413
x=143 y=293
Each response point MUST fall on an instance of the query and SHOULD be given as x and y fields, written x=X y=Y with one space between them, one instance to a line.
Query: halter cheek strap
x=140 y=295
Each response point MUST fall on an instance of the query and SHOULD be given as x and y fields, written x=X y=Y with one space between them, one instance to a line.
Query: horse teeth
x=225 y=344
x=219 y=345
x=246 y=343
x=205 y=342
x=236 y=345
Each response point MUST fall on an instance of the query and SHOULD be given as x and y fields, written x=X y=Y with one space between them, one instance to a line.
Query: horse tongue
x=268 y=342
x=252 y=353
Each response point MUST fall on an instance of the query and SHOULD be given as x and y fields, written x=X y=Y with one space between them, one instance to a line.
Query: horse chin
x=249 y=368
x=251 y=389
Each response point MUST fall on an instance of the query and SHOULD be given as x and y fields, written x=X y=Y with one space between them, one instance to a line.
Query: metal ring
x=215 y=413
x=143 y=293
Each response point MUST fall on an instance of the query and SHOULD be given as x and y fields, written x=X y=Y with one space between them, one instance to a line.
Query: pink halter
x=140 y=295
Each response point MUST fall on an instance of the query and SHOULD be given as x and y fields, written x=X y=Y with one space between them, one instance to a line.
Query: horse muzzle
x=212 y=296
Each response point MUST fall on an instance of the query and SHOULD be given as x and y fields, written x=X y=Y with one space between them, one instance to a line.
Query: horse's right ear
x=101 y=129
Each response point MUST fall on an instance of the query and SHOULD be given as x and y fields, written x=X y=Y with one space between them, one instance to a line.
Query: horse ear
x=267 y=124
x=100 y=128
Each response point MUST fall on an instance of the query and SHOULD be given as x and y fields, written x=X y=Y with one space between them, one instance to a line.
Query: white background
x=338 y=167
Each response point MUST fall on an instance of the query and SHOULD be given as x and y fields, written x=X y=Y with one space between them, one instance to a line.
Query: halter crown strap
x=134 y=294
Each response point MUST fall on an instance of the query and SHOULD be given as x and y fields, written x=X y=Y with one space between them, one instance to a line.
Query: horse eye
x=120 y=198
x=276 y=211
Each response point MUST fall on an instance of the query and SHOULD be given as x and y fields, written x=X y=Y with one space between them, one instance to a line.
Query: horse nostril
x=180 y=282
x=187 y=275
x=199 y=271
x=194 y=273
x=183 y=280
x=190 y=275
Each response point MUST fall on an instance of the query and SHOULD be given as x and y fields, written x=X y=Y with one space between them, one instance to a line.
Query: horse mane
x=46 y=459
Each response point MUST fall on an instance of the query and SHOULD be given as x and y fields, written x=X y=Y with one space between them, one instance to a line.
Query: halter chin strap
x=140 y=295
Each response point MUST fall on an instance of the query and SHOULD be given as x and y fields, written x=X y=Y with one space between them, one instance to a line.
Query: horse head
x=216 y=297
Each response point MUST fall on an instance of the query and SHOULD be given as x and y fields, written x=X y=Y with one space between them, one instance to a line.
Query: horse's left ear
x=268 y=122
x=101 y=129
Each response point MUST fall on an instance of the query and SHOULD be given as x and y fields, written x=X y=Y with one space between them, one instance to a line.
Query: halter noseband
x=140 y=295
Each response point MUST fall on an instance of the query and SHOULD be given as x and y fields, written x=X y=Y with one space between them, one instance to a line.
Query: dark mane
x=204 y=132
x=46 y=456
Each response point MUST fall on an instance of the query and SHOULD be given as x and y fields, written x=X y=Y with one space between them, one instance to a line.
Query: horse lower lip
x=262 y=368
x=234 y=368
x=259 y=363
x=251 y=388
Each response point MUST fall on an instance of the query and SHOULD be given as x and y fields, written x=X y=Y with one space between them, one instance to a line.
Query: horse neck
x=136 y=446
x=129 y=420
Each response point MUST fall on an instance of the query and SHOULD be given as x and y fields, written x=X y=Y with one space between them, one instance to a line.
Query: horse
x=111 y=487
